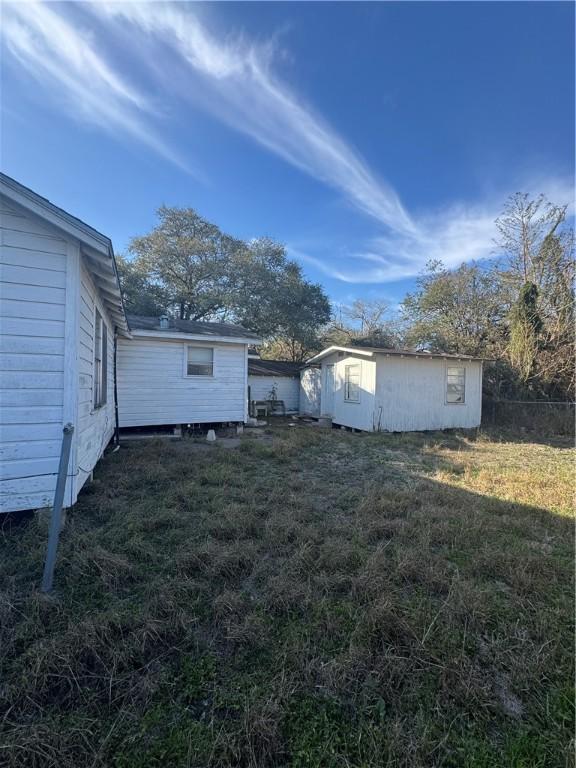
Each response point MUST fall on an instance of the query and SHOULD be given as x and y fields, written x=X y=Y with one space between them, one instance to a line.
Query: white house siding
x=287 y=389
x=411 y=393
x=310 y=387
x=95 y=426
x=153 y=388
x=358 y=415
x=35 y=264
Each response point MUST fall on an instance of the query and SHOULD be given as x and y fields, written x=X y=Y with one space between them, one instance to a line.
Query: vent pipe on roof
x=164 y=322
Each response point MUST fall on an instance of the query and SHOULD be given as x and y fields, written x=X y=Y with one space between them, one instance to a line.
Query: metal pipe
x=56 y=521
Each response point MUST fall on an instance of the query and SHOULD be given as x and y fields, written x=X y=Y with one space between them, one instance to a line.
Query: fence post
x=56 y=520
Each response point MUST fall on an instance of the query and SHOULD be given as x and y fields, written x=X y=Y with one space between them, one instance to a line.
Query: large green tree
x=457 y=311
x=190 y=260
x=142 y=294
x=188 y=268
x=277 y=302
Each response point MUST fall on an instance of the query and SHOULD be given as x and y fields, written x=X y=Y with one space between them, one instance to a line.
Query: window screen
x=352 y=383
x=200 y=361
x=455 y=385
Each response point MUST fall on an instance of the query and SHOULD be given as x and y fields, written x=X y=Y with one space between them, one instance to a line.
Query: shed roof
x=273 y=368
x=97 y=250
x=191 y=327
x=371 y=351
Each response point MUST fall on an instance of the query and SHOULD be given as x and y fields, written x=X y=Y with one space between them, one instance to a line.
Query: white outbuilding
x=275 y=380
x=60 y=312
x=375 y=389
x=174 y=372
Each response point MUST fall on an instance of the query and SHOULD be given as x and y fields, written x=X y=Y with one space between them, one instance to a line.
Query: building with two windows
x=376 y=389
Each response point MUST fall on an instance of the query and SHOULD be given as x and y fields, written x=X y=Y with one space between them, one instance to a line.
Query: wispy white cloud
x=453 y=235
x=65 y=60
x=232 y=78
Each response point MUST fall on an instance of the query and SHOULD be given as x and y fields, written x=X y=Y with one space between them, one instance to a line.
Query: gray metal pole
x=56 y=521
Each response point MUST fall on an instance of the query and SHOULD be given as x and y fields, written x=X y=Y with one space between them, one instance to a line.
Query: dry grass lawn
x=312 y=599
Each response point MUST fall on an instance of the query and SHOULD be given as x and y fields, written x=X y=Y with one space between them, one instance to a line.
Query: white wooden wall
x=47 y=305
x=95 y=426
x=358 y=415
x=153 y=388
x=33 y=277
x=310 y=379
x=287 y=389
x=403 y=394
x=411 y=394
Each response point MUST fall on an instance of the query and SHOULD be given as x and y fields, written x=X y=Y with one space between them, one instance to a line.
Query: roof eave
x=331 y=350
x=183 y=336
x=391 y=353
x=96 y=245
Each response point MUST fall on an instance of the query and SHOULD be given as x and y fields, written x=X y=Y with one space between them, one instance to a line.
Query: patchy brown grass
x=315 y=598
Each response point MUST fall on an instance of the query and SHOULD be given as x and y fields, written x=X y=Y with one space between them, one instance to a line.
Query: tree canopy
x=517 y=310
x=188 y=268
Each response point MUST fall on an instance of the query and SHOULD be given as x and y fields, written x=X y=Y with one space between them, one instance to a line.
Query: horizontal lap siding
x=152 y=387
x=95 y=425
x=33 y=264
x=411 y=395
x=287 y=389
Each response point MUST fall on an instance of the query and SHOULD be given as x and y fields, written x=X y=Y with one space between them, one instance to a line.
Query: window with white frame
x=200 y=361
x=455 y=385
x=352 y=383
x=100 y=361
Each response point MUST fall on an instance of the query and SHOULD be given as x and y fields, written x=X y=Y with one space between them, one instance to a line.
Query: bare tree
x=370 y=314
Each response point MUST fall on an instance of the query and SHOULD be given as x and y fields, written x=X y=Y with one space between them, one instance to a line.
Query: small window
x=455 y=385
x=352 y=383
x=200 y=361
x=100 y=361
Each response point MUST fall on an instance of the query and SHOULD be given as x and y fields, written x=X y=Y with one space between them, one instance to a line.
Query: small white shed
x=60 y=310
x=173 y=372
x=275 y=380
x=375 y=389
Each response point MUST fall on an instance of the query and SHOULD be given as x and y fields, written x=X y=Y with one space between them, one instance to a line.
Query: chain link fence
x=542 y=416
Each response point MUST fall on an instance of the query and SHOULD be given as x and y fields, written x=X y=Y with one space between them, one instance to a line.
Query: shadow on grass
x=300 y=602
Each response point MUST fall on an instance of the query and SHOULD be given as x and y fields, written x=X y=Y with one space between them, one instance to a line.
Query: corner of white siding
x=70 y=405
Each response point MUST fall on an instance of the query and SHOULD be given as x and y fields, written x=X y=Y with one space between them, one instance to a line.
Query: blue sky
x=367 y=137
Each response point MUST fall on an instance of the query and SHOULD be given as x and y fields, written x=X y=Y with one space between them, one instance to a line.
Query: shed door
x=328 y=393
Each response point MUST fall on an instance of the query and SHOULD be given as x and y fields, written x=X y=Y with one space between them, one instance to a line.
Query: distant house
x=275 y=380
x=375 y=389
x=173 y=372
x=60 y=312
